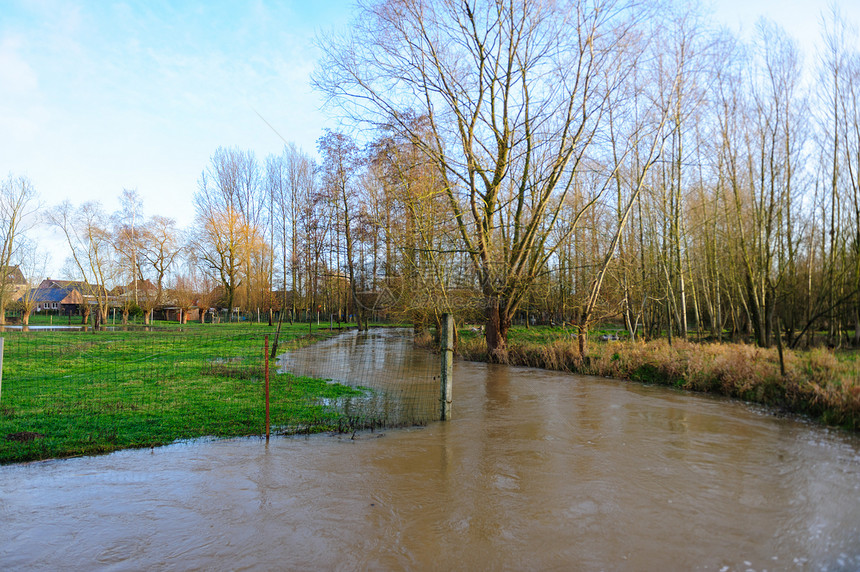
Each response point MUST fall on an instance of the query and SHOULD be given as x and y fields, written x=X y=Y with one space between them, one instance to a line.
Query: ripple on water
x=536 y=470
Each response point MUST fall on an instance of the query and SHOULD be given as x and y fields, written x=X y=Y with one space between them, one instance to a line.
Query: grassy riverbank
x=78 y=393
x=820 y=383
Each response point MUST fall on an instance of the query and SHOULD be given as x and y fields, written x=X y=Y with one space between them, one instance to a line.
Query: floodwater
x=38 y=328
x=403 y=383
x=536 y=471
x=76 y=328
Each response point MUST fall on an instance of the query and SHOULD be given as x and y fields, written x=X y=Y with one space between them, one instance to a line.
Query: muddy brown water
x=537 y=471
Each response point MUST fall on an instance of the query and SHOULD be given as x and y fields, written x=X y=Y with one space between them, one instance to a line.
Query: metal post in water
x=266 y=352
x=446 y=339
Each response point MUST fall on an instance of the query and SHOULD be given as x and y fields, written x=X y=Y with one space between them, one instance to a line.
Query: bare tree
x=87 y=233
x=127 y=223
x=229 y=215
x=127 y=236
x=840 y=142
x=340 y=173
x=33 y=264
x=17 y=208
x=515 y=95
x=160 y=248
x=289 y=184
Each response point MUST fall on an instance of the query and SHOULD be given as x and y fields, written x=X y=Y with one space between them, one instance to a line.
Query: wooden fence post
x=447 y=340
x=1 y=367
x=779 y=347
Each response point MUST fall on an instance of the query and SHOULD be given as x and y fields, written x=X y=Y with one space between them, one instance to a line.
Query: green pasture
x=77 y=393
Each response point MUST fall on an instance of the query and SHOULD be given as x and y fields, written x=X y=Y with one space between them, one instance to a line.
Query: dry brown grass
x=816 y=382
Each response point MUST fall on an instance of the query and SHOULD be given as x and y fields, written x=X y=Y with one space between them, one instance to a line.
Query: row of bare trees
x=122 y=256
x=140 y=256
x=606 y=159
x=569 y=160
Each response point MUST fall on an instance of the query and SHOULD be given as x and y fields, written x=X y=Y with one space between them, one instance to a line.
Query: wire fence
x=70 y=393
x=399 y=385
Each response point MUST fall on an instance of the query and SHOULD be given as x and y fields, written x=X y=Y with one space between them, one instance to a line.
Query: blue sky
x=97 y=96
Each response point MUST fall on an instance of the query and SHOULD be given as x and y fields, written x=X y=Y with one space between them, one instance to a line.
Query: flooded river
x=537 y=471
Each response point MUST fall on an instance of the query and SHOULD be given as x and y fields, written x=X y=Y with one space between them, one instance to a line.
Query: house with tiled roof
x=12 y=275
x=13 y=280
x=62 y=296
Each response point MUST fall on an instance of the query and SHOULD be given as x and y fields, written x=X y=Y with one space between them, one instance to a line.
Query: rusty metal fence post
x=1 y=368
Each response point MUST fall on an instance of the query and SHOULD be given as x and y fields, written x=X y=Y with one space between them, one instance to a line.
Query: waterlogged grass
x=543 y=335
x=820 y=383
x=78 y=393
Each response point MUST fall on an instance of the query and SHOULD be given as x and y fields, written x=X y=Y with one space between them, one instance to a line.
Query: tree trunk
x=582 y=340
x=756 y=313
x=498 y=324
x=857 y=327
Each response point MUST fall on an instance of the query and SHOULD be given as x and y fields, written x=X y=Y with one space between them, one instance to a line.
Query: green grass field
x=69 y=393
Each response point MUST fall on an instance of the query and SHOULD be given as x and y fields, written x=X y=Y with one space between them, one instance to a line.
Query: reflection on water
x=40 y=328
x=537 y=470
x=402 y=383
x=79 y=328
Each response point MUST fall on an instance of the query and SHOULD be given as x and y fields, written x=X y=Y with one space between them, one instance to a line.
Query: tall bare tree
x=290 y=185
x=341 y=164
x=86 y=230
x=515 y=95
x=161 y=248
x=229 y=211
x=33 y=263
x=417 y=246
x=18 y=204
x=127 y=230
